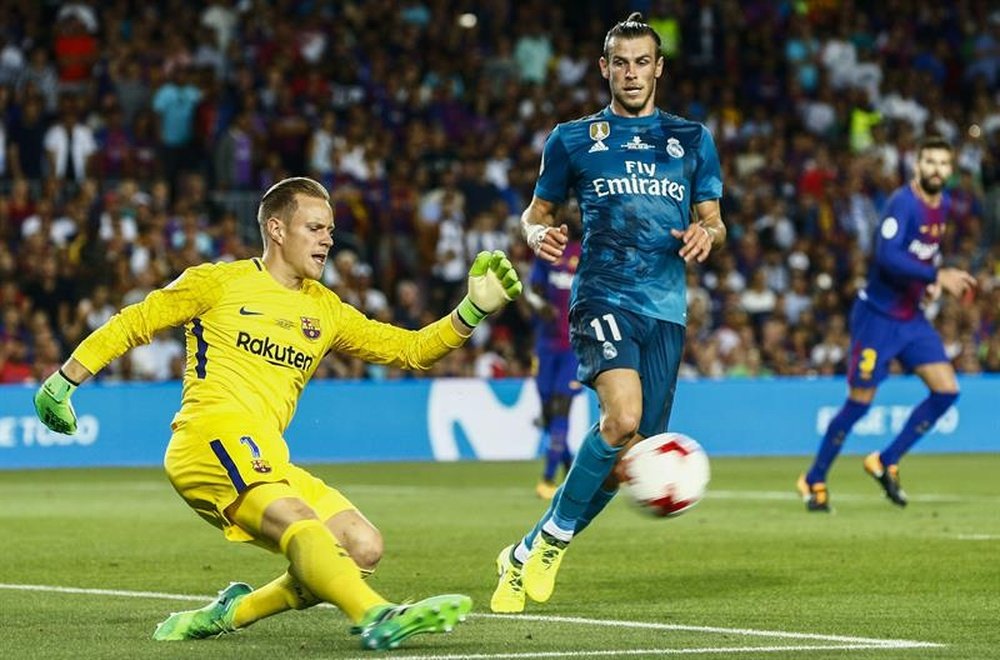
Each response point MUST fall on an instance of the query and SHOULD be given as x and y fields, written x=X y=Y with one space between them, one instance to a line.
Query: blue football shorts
x=876 y=339
x=608 y=337
x=557 y=373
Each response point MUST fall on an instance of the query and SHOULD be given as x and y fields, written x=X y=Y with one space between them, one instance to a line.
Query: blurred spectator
x=130 y=148
x=40 y=78
x=70 y=145
x=115 y=156
x=408 y=312
x=97 y=309
x=51 y=293
x=234 y=156
x=829 y=356
x=486 y=233
x=339 y=273
x=175 y=102
x=798 y=298
x=757 y=300
x=161 y=359
x=76 y=47
x=480 y=193
x=47 y=357
x=145 y=282
x=54 y=230
x=27 y=141
x=532 y=52
x=323 y=144
x=858 y=215
x=16 y=208
x=451 y=261
x=222 y=18
x=15 y=366
x=372 y=302
x=130 y=87
x=12 y=61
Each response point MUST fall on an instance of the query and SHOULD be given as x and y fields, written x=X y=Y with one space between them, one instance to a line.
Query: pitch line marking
x=843 y=642
x=977 y=537
x=627 y=652
x=746 y=632
x=750 y=495
x=768 y=495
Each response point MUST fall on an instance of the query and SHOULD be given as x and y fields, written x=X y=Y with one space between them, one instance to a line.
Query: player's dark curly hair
x=632 y=27
x=933 y=142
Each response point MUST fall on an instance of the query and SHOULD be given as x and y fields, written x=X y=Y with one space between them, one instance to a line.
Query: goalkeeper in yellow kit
x=256 y=330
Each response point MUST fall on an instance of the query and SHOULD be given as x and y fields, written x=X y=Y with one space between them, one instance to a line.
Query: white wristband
x=534 y=235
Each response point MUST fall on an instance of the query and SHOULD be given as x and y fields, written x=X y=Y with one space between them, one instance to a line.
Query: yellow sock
x=325 y=568
x=280 y=595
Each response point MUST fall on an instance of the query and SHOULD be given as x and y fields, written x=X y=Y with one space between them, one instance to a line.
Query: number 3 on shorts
x=867 y=363
x=598 y=327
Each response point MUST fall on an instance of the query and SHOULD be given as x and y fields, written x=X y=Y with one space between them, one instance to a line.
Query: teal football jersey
x=635 y=178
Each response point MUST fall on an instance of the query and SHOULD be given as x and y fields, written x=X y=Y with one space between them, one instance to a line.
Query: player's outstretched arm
x=493 y=282
x=52 y=402
x=544 y=239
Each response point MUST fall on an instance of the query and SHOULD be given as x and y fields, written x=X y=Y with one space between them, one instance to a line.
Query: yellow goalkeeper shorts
x=212 y=462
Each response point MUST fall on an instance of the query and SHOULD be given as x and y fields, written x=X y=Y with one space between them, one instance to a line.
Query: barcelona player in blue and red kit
x=887 y=323
x=557 y=365
x=648 y=184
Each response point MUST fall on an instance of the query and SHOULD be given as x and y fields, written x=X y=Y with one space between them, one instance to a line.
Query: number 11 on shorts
x=609 y=318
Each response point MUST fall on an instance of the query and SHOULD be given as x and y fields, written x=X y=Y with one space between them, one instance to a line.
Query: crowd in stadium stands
x=131 y=131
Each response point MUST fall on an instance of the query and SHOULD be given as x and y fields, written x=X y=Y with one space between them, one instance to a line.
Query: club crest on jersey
x=260 y=465
x=310 y=327
x=256 y=462
x=599 y=131
x=674 y=147
x=609 y=350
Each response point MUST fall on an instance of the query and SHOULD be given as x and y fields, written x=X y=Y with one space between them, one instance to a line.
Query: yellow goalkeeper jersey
x=252 y=344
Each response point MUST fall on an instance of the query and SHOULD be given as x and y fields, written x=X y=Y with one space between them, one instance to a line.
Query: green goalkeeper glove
x=493 y=282
x=53 y=406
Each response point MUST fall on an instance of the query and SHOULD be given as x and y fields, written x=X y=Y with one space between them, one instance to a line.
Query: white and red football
x=665 y=474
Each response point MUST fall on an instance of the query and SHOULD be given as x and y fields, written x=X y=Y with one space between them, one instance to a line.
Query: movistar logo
x=282 y=355
x=641 y=180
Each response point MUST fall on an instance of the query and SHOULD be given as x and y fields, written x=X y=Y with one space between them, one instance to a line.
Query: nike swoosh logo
x=246 y=312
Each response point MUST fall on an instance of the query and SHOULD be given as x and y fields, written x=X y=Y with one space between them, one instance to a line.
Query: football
x=665 y=474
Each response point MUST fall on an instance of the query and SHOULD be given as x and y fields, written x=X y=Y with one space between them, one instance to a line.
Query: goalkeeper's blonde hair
x=279 y=200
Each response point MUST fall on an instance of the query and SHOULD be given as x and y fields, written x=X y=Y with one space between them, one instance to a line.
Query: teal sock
x=529 y=538
x=591 y=467
x=601 y=499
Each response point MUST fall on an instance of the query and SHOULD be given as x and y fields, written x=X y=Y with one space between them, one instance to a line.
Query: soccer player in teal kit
x=888 y=322
x=637 y=172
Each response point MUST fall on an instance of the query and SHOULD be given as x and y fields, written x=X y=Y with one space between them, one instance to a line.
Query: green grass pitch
x=748 y=573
